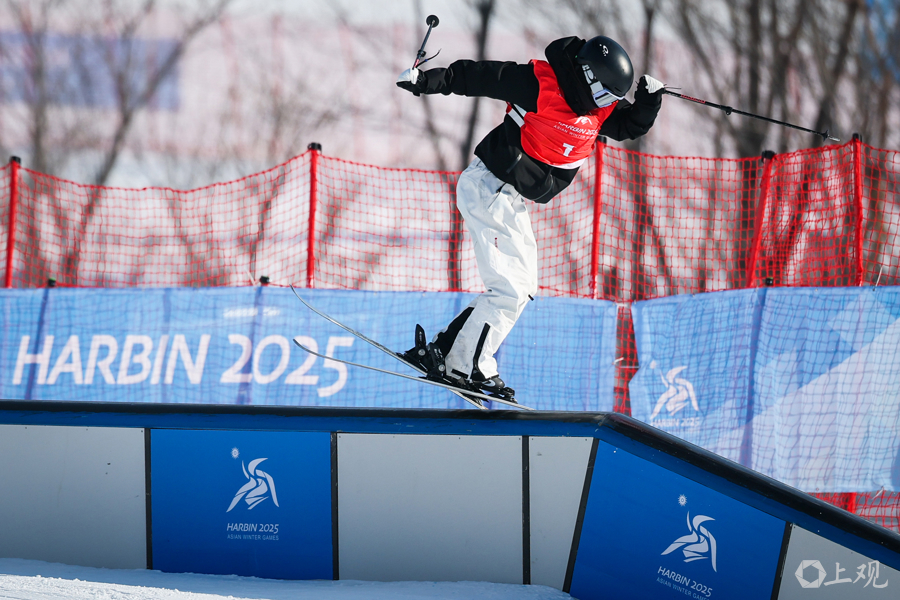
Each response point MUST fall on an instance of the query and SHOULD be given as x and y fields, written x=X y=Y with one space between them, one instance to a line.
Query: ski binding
x=474 y=398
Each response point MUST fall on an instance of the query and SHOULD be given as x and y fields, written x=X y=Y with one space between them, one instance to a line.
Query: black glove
x=413 y=80
x=649 y=91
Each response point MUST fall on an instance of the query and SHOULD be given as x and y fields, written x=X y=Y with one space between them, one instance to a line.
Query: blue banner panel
x=799 y=384
x=252 y=503
x=651 y=533
x=234 y=346
x=694 y=356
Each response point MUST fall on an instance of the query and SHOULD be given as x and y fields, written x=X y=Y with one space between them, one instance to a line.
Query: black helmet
x=607 y=69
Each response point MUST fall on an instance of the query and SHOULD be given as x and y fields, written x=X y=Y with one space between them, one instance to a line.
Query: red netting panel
x=4 y=218
x=392 y=229
x=667 y=225
x=224 y=234
x=388 y=229
x=808 y=233
x=879 y=507
x=880 y=186
x=882 y=507
x=563 y=229
x=674 y=225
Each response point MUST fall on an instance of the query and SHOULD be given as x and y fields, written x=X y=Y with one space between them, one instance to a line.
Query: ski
x=440 y=384
x=388 y=351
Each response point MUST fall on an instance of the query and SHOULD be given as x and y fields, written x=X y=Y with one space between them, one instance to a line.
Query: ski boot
x=492 y=386
x=429 y=358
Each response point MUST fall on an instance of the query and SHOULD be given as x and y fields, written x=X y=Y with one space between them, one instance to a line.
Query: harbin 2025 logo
x=677 y=406
x=699 y=544
x=259 y=487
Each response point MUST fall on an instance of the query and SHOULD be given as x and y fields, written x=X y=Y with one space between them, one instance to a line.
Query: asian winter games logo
x=259 y=487
x=678 y=395
x=699 y=544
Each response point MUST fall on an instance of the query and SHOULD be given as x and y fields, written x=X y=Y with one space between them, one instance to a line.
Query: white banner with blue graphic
x=234 y=346
x=800 y=384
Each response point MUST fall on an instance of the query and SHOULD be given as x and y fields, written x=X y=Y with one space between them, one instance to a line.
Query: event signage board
x=651 y=533
x=818 y=569
x=235 y=346
x=254 y=503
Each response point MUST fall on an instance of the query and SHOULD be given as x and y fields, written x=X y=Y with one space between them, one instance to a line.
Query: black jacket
x=501 y=149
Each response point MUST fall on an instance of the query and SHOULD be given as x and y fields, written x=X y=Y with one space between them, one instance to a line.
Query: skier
x=555 y=111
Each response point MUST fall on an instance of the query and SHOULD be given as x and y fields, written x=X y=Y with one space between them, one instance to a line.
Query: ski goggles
x=602 y=96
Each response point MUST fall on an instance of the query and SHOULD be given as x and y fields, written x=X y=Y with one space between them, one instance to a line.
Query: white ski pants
x=506 y=253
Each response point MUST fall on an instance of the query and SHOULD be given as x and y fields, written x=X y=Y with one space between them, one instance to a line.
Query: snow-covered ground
x=36 y=580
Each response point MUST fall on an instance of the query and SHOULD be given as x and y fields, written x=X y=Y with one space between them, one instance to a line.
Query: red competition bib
x=555 y=135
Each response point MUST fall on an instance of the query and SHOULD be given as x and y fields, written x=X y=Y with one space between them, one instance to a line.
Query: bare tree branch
x=129 y=105
x=839 y=64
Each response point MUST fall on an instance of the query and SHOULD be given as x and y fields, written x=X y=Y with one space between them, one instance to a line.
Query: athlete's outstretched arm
x=506 y=81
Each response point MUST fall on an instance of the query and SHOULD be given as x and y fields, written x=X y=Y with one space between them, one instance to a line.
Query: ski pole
x=432 y=21
x=728 y=110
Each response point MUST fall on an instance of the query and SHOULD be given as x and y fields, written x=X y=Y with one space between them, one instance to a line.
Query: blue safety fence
x=234 y=346
x=798 y=384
